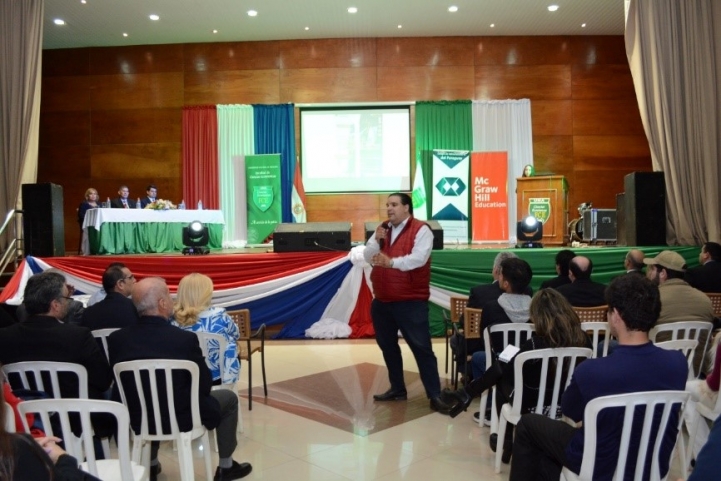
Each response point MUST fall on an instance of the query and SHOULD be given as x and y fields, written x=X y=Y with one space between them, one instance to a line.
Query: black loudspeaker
x=621 y=219
x=433 y=224
x=43 y=223
x=312 y=237
x=645 y=200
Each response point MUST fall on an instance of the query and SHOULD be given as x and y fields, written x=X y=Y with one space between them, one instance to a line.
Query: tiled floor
x=285 y=443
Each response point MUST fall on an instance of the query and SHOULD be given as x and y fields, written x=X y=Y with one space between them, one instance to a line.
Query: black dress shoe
x=236 y=471
x=464 y=400
x=437 y=404
x=154 y=471
x=391 y=395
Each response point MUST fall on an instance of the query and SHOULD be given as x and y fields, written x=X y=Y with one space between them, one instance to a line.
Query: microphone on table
x=381 y=242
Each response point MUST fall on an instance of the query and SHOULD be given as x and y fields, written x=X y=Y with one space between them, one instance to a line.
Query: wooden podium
x=546 y=198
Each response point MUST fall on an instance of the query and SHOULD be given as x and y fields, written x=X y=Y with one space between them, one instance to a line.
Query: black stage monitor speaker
x=433 y=224
x=312 y=237
x=621 y=219
x=43 y=223
x=645 y=200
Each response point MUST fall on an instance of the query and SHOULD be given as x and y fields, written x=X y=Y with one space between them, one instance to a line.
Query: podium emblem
x=540 y=208
x=263 y=197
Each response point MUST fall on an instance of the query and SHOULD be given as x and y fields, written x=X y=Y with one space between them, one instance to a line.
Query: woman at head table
x=90 y=202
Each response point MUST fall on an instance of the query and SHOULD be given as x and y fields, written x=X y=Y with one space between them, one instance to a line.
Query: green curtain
x=443 y=124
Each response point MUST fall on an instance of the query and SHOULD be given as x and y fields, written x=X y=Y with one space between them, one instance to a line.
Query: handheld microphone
x=381 y=242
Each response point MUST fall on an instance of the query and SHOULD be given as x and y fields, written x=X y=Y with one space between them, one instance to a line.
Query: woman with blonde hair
x=193 y=312
x=556 y=325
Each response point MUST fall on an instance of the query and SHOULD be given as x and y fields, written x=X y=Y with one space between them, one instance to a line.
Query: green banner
x=264 y=199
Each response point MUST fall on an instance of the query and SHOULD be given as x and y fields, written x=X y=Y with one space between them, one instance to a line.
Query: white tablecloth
x=97 y=217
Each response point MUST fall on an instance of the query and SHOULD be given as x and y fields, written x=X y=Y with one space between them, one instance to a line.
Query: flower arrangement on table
x=161 y=204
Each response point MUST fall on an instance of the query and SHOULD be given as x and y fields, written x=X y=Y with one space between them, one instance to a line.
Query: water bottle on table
x=181 y=206
x=200 y=205
x=138 y=205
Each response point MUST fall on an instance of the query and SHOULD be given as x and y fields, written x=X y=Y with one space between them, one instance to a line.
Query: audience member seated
x=116 y=310
x=73 y=312
x=557 y=325
x=563 y=259
x=707 y=276
x=100 y=294
x=582 y=291
x=155 y=338
x=122 y=201
x=43 y=337
x=679 y=301
x=151 y=193
x=41 y=459
x=704 y=391
x=194 y=313
x=706 y=468
x=6 y=319
x=633 y=262
x=543 y=446
x=90 y=202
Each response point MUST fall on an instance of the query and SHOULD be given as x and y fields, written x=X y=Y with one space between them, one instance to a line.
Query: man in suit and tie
x=151 y=193
x=582 y=291
x=155 y=338
x=116 y=310
x=563 y=259
x=707 y=276
x=122 y=202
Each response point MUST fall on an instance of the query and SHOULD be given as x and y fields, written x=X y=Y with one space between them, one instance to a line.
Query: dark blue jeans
x=411 y=318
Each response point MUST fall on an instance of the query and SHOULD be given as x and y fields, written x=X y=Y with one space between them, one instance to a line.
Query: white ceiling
x=102 y=22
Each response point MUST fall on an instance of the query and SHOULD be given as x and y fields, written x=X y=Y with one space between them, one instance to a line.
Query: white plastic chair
x=103 y=334
x=120 y=469
x=599 y=332
x=152 y=369
x=566 y=359
x=219 y=344
x=9 y=418
x=702 y=411
x=687 y=347
x=649 y=441
x=522 y=332
x=685 y=330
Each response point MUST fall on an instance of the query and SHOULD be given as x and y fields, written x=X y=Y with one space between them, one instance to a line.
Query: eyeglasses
x=131 y=276
x=66 y=297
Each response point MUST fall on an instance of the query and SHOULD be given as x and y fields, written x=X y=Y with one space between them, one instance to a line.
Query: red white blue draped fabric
x=293 y=289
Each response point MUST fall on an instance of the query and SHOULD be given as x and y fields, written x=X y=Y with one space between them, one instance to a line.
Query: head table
x=139 y=231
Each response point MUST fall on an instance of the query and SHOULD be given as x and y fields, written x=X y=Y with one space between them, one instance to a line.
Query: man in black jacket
x=707 y=276
x=116 y=310
x=582 y=291
x=563 y=259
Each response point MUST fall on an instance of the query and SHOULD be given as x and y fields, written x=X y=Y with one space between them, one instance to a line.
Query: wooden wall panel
x=232 y=87
x=425 y=83
x=328 y=53
x=149 y=161
x=136 y=59
x=598 y=50
x=607 y=117
x=53 y=158
x=210 y=57
x=553 y=154
x=554 y=50
x=328 y=85
x=602 y=82
x=65 y=128
x=140 y=91
x=65 y=93
x=354 y=208
x=66 y=62
x=552 y=117
x=425 y=52
x=520 y=82
x=136 y=126
x=630 y=152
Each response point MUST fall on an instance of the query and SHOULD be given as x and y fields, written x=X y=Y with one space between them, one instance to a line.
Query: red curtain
x=200 y=157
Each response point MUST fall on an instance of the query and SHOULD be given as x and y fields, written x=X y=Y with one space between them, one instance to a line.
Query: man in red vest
x=400 y=252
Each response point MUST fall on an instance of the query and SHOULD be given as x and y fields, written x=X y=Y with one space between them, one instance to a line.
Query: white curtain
x=236 y=133
x=672 y=55
x=505 y=125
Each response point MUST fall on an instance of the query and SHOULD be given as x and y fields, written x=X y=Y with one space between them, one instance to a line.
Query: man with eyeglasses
x=116 y=310
x=73 y=312
x=43 y=337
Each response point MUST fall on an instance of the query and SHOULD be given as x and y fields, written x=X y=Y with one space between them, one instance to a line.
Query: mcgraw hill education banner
x=489 y=199
x=262 y=176
x=450 y=193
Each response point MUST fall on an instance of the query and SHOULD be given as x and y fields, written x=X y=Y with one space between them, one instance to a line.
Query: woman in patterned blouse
x=193 y=312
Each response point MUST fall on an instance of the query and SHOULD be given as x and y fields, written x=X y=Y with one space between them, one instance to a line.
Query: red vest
x=390 y=285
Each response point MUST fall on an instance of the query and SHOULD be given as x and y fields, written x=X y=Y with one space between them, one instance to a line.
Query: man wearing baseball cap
x=679 y=301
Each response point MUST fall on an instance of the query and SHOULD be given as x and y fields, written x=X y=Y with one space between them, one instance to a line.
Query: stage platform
x=290 y=292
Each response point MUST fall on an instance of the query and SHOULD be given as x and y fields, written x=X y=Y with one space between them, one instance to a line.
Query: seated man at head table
x=122 y=201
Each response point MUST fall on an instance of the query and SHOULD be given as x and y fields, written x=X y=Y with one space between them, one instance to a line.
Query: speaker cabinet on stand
x=43 y=222
x=312 y=237
x=645 y=213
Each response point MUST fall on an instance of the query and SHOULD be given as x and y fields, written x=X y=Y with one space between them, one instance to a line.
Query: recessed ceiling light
x=552 y=8
x=452 y=8
x=125 y=34
x=252 y=13
x=59 y=21
x=583 y=25
x=153 y=17
x=83 y=1
x=493 y=25
x=215 y=31
x=307 y=28
x=400 y=26
x=352 y=10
